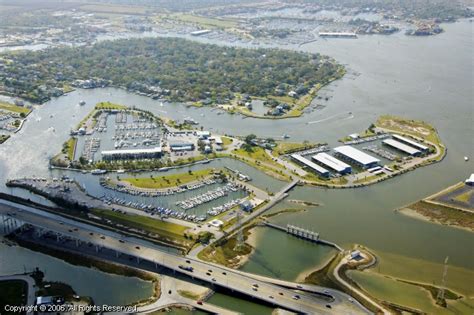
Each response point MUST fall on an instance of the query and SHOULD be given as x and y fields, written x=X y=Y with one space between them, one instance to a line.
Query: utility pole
x=440 y=298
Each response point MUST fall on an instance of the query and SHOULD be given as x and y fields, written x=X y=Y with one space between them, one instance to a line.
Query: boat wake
x=332 y=117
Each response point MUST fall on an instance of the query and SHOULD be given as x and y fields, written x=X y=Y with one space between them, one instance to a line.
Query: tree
x=250 y=138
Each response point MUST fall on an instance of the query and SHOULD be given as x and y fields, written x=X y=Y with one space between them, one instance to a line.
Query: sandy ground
x=415 y=215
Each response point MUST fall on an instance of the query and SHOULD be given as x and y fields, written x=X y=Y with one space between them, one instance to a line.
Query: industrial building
x=315 y=167
x=410 y=142
x=333 y=163
x=181 y=146
x=402 y=147
x=356 y=156
x=132 y=154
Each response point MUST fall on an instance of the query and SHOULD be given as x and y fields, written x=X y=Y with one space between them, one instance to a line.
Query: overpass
x=146 y=252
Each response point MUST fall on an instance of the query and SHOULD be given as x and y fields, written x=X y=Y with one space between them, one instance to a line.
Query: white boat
x=466 y=158
x=98 y=172
x=120 y=171
x=82 y=103
x=285 y=136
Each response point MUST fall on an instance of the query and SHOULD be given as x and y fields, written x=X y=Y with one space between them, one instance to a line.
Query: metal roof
x=132 y=151
x=356 y=155
x=410 y=142
x=310 y=164
x=401 y=146
x=331 y=162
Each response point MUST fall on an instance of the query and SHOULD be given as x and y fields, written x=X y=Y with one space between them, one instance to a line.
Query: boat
x=466 y=158
x=82 y=103
x=98 y=172
x=120 y=171
x=285 y=136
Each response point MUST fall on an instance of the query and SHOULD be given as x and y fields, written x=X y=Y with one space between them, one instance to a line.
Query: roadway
x=219 y=276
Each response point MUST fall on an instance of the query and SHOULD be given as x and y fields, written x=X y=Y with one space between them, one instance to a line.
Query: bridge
x=146 y=253
x=303 y=234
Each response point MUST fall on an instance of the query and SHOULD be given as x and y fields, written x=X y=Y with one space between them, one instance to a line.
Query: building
x=181 y=146
x=203 y=134
x=470 y=180
x=410 y=142
x=313 y=166
x=132 y=154
x=246 y=206
x=401 y=147
x=338 y=34
x=356 y=156
x=332 y=163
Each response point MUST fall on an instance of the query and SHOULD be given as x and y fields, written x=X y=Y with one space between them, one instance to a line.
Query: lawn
x=206 y=22
x=109 y=105
x=11 y=293
x=14 y=108
x=169 y=180
x=162 y=228
x=258 y=154
x=290 y=147
x=70 y=146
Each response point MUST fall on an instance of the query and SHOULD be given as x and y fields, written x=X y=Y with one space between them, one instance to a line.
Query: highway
x=300 y=302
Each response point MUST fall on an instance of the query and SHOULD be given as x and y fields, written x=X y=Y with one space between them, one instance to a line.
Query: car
x=224 y=273
x=299 y=287
x=199 y=302
x=169 y=292
x=281 y=293
x=214 y=279
x=351 y=300
x=210 y=270
x=188 y=261
x=137 y=247
x=208 y=274
x=91 y=233
x=270 y=296
x=102 y=237
x=255 y=289
x=255 y=285
x=328 y=306
x=296 y=297
x=70 y=230
x=76 y=229
x=326 y=291
x=121 y=241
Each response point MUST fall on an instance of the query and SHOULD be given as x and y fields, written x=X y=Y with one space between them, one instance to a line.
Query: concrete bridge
x=148 y=253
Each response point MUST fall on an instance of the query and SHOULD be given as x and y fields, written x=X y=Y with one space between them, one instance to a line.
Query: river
x=427 y=78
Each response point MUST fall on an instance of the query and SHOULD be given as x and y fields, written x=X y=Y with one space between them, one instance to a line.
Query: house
x=246 y=206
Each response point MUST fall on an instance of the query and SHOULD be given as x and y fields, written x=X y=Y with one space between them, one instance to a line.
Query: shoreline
x=418 y=216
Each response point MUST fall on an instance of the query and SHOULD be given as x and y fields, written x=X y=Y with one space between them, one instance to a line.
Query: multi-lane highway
x=219 y=276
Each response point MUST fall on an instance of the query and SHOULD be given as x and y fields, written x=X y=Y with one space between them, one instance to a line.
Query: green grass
x=109 y=105
x=70 y=147
x=162 y=228
x=465 y=197
x=11 y=293
x=14 y=108
x=189 y=294
x=169 y=180
x=258 y=154
x=226 y=141
x=226 y=253
x=289 y=147
x=205 y=21
x=3 y=138
x=366 y=179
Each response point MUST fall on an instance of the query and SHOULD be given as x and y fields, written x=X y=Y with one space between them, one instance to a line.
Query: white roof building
x=401 y=147
x=356 y=155
x=131 y=153
x=410 y=142
x=321 y=170
x=332 y=162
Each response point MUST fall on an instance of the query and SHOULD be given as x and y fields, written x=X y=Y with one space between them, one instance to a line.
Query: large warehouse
x=131 y=154
x=410 y=142
x=315 y=167
x=333 y=163
x=356 y=156
x=401 y=147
